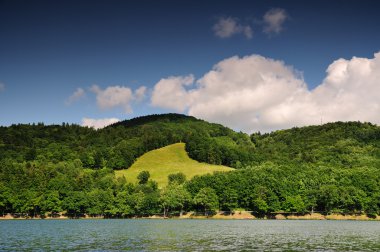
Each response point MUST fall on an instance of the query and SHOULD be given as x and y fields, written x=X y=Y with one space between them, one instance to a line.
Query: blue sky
x=50 y=49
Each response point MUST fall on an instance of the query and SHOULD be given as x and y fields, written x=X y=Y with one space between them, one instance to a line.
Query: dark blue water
x=189 y=235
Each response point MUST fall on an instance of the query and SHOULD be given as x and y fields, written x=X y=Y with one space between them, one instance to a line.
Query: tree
x=51 y=203
x=329 y=197
x=207 y=199
x=173 y=197
x=143 y=177
x=294 y=204
x=122 y=206
x=75 y=203
x=4 y=198
x=99 y=201
x=260 y=206
x=178 y=178
x=229 y=199
x=259 y=202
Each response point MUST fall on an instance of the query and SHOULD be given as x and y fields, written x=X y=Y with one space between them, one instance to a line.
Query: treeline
x=301 y=189
x=35 y=189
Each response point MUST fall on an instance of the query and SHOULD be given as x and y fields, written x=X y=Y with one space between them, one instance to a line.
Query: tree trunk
x=165 y=212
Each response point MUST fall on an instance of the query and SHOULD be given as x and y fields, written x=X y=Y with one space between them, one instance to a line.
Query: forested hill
x=328 y=168
x=117 y=146
x=341 y=143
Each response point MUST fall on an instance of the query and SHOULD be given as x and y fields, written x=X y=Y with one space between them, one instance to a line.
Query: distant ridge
x=170 y=117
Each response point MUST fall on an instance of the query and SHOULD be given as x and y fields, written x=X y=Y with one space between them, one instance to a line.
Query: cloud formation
x=255 y=93
x=274 y=20
x=2 y=87
x=227 y=27
x=171 y=93
x=140 y=93
x=77 y=95
x=98 y=123
x=117 y=96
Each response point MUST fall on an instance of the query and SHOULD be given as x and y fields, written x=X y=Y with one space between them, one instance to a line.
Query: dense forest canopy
x=328 y=168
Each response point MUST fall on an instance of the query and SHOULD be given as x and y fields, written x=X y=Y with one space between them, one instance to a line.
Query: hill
x=328 y=168
x=168 y=160
x=119 y=145
x=344 y=144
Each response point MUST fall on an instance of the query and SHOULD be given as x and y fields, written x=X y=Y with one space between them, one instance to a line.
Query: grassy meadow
x=167 y=160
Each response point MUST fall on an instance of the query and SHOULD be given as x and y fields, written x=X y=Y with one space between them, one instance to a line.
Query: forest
x=49 y=169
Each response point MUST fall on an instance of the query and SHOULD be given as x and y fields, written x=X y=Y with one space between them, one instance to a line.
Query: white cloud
x=227 y=27
x=140 y=93
x=257 y=93
x=2 y=87
x=77 y=95
x=117 y=96
x=274 y=20
x=98 y=123
x=170 y=93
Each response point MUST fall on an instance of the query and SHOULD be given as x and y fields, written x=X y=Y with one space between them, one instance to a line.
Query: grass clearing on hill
x=168 y=160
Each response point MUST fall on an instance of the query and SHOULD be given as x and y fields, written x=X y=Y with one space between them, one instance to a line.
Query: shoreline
x=238 y=215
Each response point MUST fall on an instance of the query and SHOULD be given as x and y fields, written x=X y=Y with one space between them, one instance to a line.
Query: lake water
x=189 y=235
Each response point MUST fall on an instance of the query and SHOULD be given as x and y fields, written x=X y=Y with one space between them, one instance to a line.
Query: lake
x=189 y=235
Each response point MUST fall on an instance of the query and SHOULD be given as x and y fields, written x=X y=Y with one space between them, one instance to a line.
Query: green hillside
x=168 y=160
x=326 y=168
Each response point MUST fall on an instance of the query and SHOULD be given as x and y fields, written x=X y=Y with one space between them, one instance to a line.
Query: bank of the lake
x=237 y=215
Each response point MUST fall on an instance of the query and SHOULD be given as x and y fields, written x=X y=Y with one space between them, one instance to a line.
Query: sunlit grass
x=167 y=160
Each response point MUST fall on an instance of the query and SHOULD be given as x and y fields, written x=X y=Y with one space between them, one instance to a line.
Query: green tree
x=51 y=203
x=178 y=178
x=294 y=204
x=4 y=198
x=122 y=206
x=75 y=203
x=207 y=199
x=173 y=197
x=143 y=177
x=229 y=199
x=100 y=201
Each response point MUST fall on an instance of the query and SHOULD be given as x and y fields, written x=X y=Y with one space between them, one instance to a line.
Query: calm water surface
x=189 y=235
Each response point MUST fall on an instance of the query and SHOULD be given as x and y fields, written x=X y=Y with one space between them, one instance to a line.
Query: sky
x=250 y=65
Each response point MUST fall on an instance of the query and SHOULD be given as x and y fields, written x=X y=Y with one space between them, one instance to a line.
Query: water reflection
x=190 y=235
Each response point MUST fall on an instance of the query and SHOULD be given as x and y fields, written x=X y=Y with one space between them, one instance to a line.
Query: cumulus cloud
x=171 y=93
x=2 y=87
x=274 y=20
x=98 y=123
x=77 y=95
x=140 y=93
x=117 y=96
x=227 y=27
x=256 y=93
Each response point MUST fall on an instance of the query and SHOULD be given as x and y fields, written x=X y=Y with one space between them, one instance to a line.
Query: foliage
x=68 y=168
x=270 y=188
x=178 y=178
x=207 y=199
x=174 y=197
x=143 y=177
